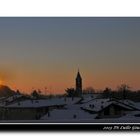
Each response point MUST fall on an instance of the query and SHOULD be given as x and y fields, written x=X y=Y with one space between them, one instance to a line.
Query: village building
x=106 y=108
x=32 y=109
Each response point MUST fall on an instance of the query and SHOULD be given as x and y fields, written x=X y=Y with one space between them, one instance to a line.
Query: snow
x=2 y=98
x=137 y=105
x=89 y=97
x=131 y=103
x=43 y=102
x=71 y=112
x=131 y=115
x=5 y=100
x=128 y=118
x=11 y=98
x=67 y=114
x=98 y=104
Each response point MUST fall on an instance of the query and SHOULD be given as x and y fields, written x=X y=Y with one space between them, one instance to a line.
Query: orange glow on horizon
x=59 y=87
x=1 y=82
x=51 y=82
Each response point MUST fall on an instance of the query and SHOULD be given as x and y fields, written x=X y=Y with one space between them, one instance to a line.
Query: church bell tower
x=78 y=84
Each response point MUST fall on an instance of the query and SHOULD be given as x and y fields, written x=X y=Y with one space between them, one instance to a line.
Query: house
x=113 y=110
x=106 y=108
x=32 y=109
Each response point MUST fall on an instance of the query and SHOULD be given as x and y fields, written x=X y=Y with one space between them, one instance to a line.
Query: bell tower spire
x=78 y=83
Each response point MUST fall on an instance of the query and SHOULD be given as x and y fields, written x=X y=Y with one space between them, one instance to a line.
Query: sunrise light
x=1 y=82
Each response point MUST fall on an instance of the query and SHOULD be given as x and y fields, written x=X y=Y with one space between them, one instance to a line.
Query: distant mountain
x=5 y=91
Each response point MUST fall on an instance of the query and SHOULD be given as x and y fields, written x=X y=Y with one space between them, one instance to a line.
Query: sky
x=39 y=53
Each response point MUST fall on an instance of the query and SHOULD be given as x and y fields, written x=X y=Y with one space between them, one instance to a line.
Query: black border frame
x=67 y=127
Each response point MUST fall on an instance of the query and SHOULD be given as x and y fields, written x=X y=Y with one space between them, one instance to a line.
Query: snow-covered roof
x=129 y=103
x=89 y=97
x=5 y=100
x=137 y=105
x=1 y=98
x=97 y=105
x=11 y=98
x=43 y=103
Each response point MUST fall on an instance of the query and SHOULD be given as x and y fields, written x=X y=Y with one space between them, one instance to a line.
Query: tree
x=39 y=91
x=107 y=90
x=124 y=89
x=89 y=90
x=70 y=92
x=35 y=94
x=18 y=92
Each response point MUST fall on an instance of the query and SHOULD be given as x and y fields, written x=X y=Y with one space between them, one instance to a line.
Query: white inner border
x=66 y=8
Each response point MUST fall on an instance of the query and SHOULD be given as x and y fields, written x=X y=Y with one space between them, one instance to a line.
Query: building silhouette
x=78 y=89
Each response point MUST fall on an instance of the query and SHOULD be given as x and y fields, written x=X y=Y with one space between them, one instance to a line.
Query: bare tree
x=124 y=89
x=89 y=90
x=70 y=92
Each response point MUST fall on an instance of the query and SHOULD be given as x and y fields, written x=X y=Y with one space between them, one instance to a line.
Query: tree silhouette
x=89 y=90
x=124 y=89
x=35 y=94
x=108 y=91
x=70 y=92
